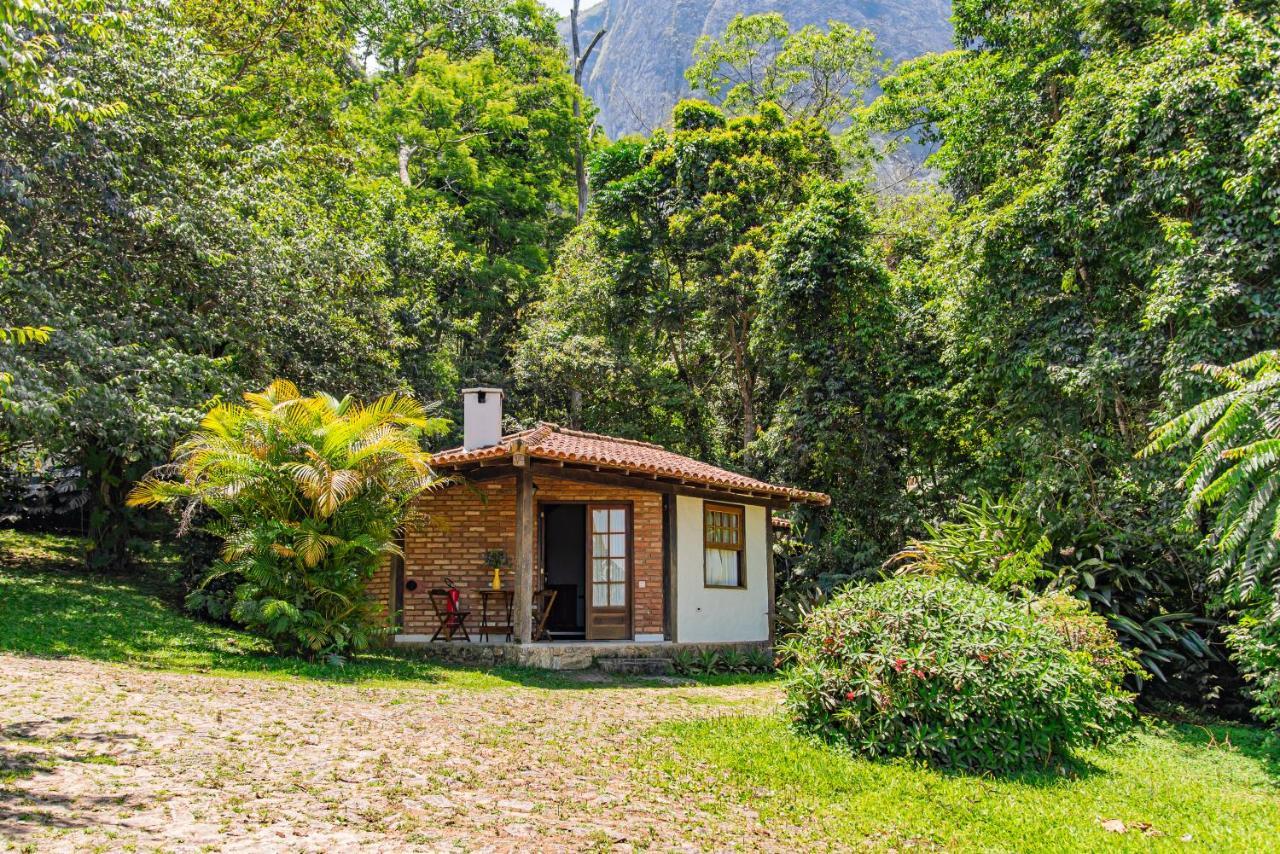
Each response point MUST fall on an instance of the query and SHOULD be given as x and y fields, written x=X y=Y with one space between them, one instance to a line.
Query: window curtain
x=722 y=567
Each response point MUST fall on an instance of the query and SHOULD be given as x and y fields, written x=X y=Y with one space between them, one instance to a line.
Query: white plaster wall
x=712 y=614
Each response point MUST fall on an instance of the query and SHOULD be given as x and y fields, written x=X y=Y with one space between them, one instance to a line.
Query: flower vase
x=497 y=578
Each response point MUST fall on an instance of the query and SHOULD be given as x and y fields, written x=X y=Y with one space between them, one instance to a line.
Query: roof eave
x=501 y=452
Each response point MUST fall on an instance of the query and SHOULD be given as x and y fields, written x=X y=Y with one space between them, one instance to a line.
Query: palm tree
x=307 y=493
x=1236 y=470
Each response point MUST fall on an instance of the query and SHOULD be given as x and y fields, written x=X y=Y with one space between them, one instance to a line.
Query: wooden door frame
x=628 y=506
x=540 y=544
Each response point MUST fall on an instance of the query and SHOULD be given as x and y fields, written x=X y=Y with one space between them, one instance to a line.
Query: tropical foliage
x=202 y=196
x=1235 y=471
x=997 y=543
x=991 y=543
x=950 y=673
x=1255 y=644
x=307 y=493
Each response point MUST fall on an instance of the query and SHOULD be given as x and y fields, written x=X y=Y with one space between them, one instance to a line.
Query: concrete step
x=636 y=666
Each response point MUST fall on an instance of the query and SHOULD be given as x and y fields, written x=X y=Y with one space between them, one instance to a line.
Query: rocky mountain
x=636 y=74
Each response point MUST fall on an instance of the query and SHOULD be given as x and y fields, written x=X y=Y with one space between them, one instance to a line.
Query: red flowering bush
x=950 y=673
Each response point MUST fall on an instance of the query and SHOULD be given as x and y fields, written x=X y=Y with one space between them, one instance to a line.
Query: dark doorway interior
x=564 y=555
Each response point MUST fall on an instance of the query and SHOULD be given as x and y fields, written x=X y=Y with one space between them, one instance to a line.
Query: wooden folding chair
x=452 y=620
x=546 y=601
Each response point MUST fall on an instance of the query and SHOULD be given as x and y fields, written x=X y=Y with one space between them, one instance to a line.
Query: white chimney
x=481 y=417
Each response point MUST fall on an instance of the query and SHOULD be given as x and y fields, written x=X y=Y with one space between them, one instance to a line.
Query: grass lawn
x=1172 y=786
x=125 y=723
x=49 y=607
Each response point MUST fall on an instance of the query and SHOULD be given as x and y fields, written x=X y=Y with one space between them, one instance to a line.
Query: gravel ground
x=104 y=757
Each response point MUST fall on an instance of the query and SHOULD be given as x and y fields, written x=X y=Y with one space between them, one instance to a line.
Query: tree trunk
x=404 y=153
x=111 y=523
x=575 y=409
x=579 y=160
x=745 y=377
x=579 y=63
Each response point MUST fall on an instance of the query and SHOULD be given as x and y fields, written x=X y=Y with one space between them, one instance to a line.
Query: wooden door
x=609 y=571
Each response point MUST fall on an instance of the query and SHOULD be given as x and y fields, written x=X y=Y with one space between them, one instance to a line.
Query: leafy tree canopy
x=810 y=73
x=1113 y=227
x=359 y=199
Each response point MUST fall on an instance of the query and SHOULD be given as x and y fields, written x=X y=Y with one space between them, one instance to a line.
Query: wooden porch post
x=524 y=554
x=670 y=566
x=771 y=566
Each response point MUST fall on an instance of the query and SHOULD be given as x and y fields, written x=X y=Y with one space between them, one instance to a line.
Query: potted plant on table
x=496 y=560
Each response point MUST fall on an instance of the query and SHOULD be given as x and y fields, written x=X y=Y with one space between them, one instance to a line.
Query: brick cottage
x=605 y=540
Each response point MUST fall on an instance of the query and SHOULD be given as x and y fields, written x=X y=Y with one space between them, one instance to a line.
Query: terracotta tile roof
x=549 y=441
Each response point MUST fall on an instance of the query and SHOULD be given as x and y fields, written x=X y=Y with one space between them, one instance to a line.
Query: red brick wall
x=381 y=582
x=460 y=524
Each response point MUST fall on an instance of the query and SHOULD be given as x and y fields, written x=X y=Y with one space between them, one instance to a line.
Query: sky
x=563 y=6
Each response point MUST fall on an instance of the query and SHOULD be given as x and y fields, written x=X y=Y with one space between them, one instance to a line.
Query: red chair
x=452 y=619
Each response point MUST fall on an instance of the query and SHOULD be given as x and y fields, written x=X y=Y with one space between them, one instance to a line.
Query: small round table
x=495 y=605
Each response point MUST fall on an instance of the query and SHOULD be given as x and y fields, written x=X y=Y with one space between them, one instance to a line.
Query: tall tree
x=825 y=334
x=810 y=73
x=1112 y=229
x=685 y=224
x=471 y=108
x=580 y=59
x=183 y=245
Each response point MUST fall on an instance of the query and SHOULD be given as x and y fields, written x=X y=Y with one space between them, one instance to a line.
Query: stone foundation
x=563 y=655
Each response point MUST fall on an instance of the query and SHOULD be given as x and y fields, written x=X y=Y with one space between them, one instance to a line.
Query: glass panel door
x=609 y=554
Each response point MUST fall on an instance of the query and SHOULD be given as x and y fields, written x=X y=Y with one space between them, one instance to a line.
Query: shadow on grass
x=1262 y=746
x=39 y=550
x=50 y=607
x=56 y=612
x=1059 y=770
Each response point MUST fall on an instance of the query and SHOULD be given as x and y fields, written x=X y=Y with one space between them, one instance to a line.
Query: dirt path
x=102 y=756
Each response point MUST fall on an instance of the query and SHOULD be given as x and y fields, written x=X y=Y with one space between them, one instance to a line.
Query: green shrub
x=1086 y=632
x=712 y=663
x=1255 y=647
x=759 y=661
x=944 y=671
x=733 y=661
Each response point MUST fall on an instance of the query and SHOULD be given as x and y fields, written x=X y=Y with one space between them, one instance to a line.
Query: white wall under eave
x=716 y=614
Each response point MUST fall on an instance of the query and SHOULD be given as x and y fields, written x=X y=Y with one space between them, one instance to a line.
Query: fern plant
x=1235 y=473
x=307 y=494
x=992 y=543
